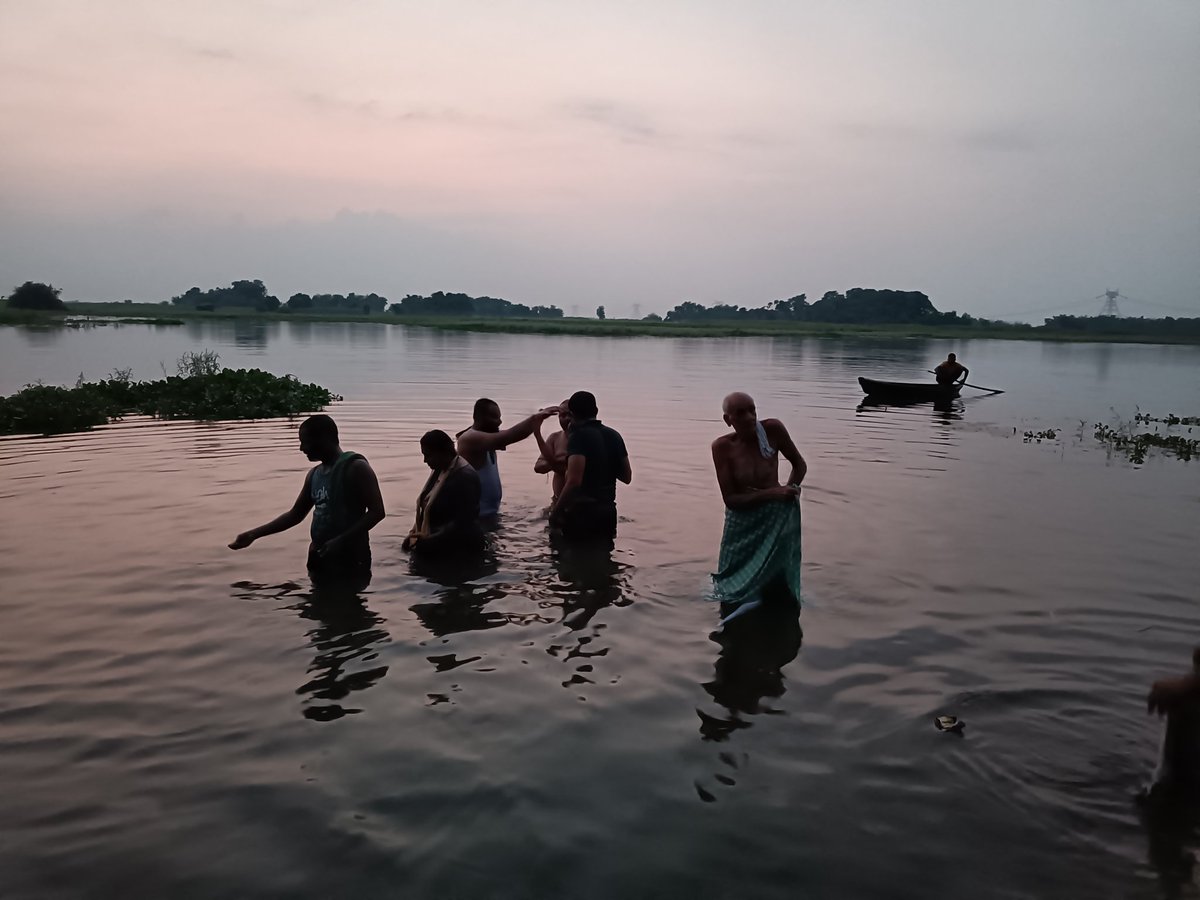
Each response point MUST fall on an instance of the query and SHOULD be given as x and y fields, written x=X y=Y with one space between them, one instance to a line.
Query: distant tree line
x=357 y=303
x=442 y=304
x=253 y=295
x=250 y=294
x=857 y=305
x=1118 y=325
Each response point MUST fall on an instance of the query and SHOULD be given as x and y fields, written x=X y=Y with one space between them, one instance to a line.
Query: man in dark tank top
x=343 y=494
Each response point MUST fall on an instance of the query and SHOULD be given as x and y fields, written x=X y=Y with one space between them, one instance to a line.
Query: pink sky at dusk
x=999 y=158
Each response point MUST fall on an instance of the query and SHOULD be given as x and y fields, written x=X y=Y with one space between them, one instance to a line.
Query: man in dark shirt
x=448 y=506
x=951 y=371
x=596 y=460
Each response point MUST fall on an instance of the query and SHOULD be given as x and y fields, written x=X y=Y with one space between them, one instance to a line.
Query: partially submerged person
x=448 y=505
x=586 y=508
x=1178 y=699
x=479 y=443
x=760 y=546
x=950 y=371
x=343 y=494
x=553 y=458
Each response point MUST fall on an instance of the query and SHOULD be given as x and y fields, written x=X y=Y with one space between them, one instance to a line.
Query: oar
x=977 y=387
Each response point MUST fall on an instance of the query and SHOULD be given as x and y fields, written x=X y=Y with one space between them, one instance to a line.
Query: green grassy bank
x=153 y=313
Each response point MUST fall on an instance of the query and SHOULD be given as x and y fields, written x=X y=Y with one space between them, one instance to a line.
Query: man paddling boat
x=951 y=371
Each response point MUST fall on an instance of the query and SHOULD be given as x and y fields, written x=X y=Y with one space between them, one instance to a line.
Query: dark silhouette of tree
x=357 y=303
x=793 y=309
x=35 y=295
x=652 y=317
x=599 y=312
x=442 y=304
x=875 y=306
x=1101 y=325
x=252 y=294
x=858 y=305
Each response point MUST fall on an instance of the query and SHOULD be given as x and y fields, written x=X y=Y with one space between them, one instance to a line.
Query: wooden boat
x=907 y=391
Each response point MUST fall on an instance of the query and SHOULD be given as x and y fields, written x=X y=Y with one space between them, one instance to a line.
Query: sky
x=1011 y=160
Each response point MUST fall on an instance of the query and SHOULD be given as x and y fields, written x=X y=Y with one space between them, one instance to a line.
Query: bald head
x=740 y=414
x=737 y=398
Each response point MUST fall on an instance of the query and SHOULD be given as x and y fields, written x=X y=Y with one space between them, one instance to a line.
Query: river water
x=182 y=720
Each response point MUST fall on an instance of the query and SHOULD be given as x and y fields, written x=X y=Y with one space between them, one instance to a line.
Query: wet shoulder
x=724 y=443
x=774 y=428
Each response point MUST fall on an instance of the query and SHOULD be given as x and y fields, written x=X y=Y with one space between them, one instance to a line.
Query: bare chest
x=752 y=469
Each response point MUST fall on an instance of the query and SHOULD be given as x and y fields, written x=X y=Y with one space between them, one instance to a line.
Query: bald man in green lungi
x=760 y=547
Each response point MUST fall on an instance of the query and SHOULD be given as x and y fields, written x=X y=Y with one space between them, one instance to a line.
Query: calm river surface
x=179 y=720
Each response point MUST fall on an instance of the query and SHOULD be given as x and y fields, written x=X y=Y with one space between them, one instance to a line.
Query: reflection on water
x=459 y=603
x=1171 y=825
x=509 y=724
x=345 y=637
x=755 y=648
x=589 y=580
x=946 y=410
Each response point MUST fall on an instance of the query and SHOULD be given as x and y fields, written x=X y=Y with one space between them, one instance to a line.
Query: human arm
x=362 y=483
x=476 y=442
x=624 y=470
x=576 y=465
x=289 y=519
x=1167 y=694
x=553 y=454
x=963 y=378
x=778 y=435
x=732 y=493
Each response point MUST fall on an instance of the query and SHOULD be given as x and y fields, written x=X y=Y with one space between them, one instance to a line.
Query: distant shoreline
x=157 y=314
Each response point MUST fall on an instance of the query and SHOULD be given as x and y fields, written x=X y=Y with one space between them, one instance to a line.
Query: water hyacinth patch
x=202 y=390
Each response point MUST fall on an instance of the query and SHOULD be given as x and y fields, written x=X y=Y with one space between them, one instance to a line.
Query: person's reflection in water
x=754 y=650
x=589 y=579
x=948 y=410
x=345 y=636
x=1170 y=821
x=460 y=602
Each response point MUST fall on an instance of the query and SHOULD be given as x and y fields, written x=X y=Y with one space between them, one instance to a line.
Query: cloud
x=218 y=53
x=375 y=110
x=627 y=123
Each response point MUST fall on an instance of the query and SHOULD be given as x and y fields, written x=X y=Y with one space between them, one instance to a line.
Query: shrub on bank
x=212 y=393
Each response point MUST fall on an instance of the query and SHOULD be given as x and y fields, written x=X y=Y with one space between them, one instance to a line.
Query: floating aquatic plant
x=1126 y=438
x=1048 y=434
x=201 y=390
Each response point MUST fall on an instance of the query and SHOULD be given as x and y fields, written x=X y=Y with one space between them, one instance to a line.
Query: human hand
x=242 y=541
x=545 y=413
x=409 y=542
x=1166 y=693
x=331 y=546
